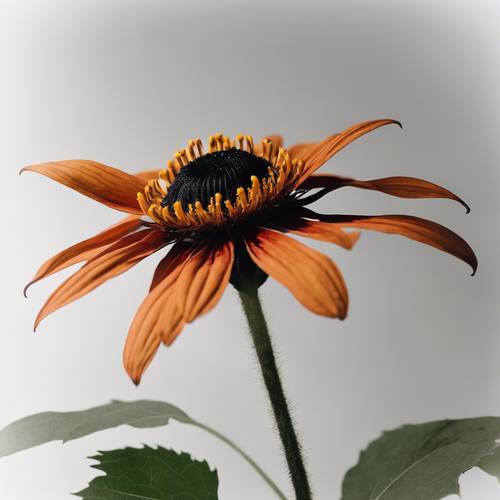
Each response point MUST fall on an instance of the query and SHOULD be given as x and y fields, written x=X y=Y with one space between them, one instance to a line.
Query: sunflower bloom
x=227 y=214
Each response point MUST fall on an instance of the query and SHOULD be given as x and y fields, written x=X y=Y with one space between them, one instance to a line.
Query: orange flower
x=226 y=213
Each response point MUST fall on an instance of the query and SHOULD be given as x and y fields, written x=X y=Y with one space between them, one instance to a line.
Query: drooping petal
x=107 y=185
x=173 y=261
x=158 y=319
x=402 y=187
x=415 y=228
x=322 y=231
x=112 y=261
x=316 y=154
x=204 y=278
x=143 y=343
x=86 y=249
x=311 y=276
x=187 y=283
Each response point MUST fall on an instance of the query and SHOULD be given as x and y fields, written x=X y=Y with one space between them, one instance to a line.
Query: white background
x=129 y=82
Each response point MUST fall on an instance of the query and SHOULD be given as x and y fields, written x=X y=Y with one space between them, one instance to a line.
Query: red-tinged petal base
x=203 y=279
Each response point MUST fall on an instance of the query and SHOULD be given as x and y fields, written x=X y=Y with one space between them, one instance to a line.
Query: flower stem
x=262 y=342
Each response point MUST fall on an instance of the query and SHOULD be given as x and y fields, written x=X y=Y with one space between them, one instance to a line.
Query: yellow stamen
x=218 y=215
x=201 y=213
x=190 y=151
x=282 y=177
x=241 y=199
x=249 y=139
x=179 y=212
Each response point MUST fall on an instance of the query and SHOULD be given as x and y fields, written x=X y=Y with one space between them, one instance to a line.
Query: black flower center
x=220 y=172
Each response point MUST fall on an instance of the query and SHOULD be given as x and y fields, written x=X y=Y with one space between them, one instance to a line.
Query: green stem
x=262 y=342
x=249 y=459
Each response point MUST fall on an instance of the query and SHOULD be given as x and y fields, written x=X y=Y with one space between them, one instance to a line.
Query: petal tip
x=29 y=168
x=343 y=313
x=472 y=261
x=38 y=320
x=474 y=268
x=462 y=202
x=25 y=169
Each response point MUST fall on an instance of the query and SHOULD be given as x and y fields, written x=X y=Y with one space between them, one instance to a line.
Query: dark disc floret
x=218 y=172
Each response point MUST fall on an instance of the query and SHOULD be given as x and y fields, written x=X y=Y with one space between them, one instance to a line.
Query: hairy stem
x=263 y=346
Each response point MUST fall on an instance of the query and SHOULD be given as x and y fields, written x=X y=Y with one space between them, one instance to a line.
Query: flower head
x=225 y=213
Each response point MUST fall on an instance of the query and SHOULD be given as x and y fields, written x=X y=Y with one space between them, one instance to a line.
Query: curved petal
x=323 y=231
x=316 y=154
x=312 y=277
x=203 y=279
x=111 y=262
x=302 y=149
x=402 y=187
x=158 y=319
x=107 y=185
x=415 y=228
x=86 y=249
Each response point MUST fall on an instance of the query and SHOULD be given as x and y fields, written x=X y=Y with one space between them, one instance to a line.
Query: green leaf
x=152 y=474
x=65 y=426
x=422 y=461
x=491 y=464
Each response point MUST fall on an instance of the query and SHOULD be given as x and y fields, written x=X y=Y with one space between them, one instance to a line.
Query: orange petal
x=163 y=323
x=173 y=261
x=415 y=228
x=111 y=262
x=203 y=279
x=158 y=318
x=403 y=187
x=312 y=277
x=107 y=185
x=316 y=154
x=323 y=231
x=302 y=149
x=86 y=249
x=147 y=175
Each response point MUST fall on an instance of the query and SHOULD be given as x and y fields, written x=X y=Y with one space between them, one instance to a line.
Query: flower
x=225 y=214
